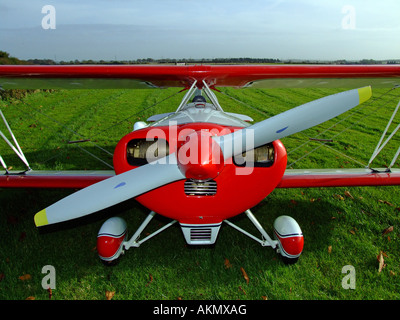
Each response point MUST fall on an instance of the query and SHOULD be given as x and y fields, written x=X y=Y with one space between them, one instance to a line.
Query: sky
x=138 y=29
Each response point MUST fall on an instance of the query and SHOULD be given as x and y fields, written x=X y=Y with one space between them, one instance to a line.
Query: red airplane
x=201 y=164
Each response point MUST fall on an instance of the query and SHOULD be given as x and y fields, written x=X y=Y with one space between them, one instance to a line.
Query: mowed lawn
x=354 y=229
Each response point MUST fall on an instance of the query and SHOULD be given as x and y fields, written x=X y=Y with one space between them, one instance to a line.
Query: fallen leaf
x=30 y=298
x=50 y=292
x=245 y=276
x=241 y=289
x=348 y=194
x=387 y=230
x=330 y=249
x=25 y=277
x=227 y=264
x=150 y=279
x=386 y=202
x=381 y=261
x=109 y=294
x=352 y=232
x=338 y=196
x=264 y=297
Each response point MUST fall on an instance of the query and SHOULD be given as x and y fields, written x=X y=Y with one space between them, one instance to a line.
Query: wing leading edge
x=149 y=76
x=297 y=178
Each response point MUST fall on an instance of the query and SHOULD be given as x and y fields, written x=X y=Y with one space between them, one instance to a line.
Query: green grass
x=165 y=267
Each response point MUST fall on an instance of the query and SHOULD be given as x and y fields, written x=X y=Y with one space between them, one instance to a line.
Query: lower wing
x=296 y=178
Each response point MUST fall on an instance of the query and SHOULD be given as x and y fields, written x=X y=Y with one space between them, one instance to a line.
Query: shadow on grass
x=177 y=270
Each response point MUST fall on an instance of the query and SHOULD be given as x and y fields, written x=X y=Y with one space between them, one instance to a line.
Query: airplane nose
x=200 y=157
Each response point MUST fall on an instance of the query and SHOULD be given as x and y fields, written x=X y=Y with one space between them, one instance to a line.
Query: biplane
x=199 y=165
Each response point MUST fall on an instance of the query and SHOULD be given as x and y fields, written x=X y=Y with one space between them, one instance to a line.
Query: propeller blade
x=111 y=191
x=292 y=121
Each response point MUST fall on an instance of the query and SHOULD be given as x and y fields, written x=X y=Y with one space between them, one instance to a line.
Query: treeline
x=209 y=61
x=7 y=94
x=159 y=61
x=5 y=58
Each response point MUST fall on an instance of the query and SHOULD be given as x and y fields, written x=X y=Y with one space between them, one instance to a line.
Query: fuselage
x=212 y=192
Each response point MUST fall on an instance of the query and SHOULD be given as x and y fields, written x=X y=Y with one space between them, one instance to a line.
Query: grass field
x=341 y=226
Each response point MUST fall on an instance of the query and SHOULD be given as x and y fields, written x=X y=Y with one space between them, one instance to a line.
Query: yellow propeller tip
x=41 y=218
x=364 y=94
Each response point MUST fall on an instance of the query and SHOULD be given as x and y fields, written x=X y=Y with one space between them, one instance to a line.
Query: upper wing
x=147 y=76
x=139 y=76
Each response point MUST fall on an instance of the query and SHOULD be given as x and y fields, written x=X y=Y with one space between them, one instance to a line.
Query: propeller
x=169 y=169
x=111 y=191
x=292 y=121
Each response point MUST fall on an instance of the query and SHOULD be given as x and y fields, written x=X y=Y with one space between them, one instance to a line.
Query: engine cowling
x=235 y=185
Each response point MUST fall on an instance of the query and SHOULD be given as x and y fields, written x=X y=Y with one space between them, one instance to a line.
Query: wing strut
x=16 y=148
x=212 y=96
x=187 y=96
x=382 y=144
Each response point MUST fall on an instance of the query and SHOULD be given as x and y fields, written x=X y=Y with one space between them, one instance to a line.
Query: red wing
x=145 y=76
x=291 y=179
x=338 y=178
x=54 y=179
x=134 y=76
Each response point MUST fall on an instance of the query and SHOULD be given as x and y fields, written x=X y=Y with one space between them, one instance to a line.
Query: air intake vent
x=200 y=188
x=200 y=234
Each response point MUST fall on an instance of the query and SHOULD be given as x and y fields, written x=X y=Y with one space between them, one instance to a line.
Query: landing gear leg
x=112 y=237
x=265 y=240
x=135 y=242
x=287 y=234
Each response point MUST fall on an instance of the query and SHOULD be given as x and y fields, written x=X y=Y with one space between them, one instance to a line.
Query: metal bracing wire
x=137 y=113
x=17 y=149
x=325 y=142
x=90 y=139
x=382 y=144
x=351 y=114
